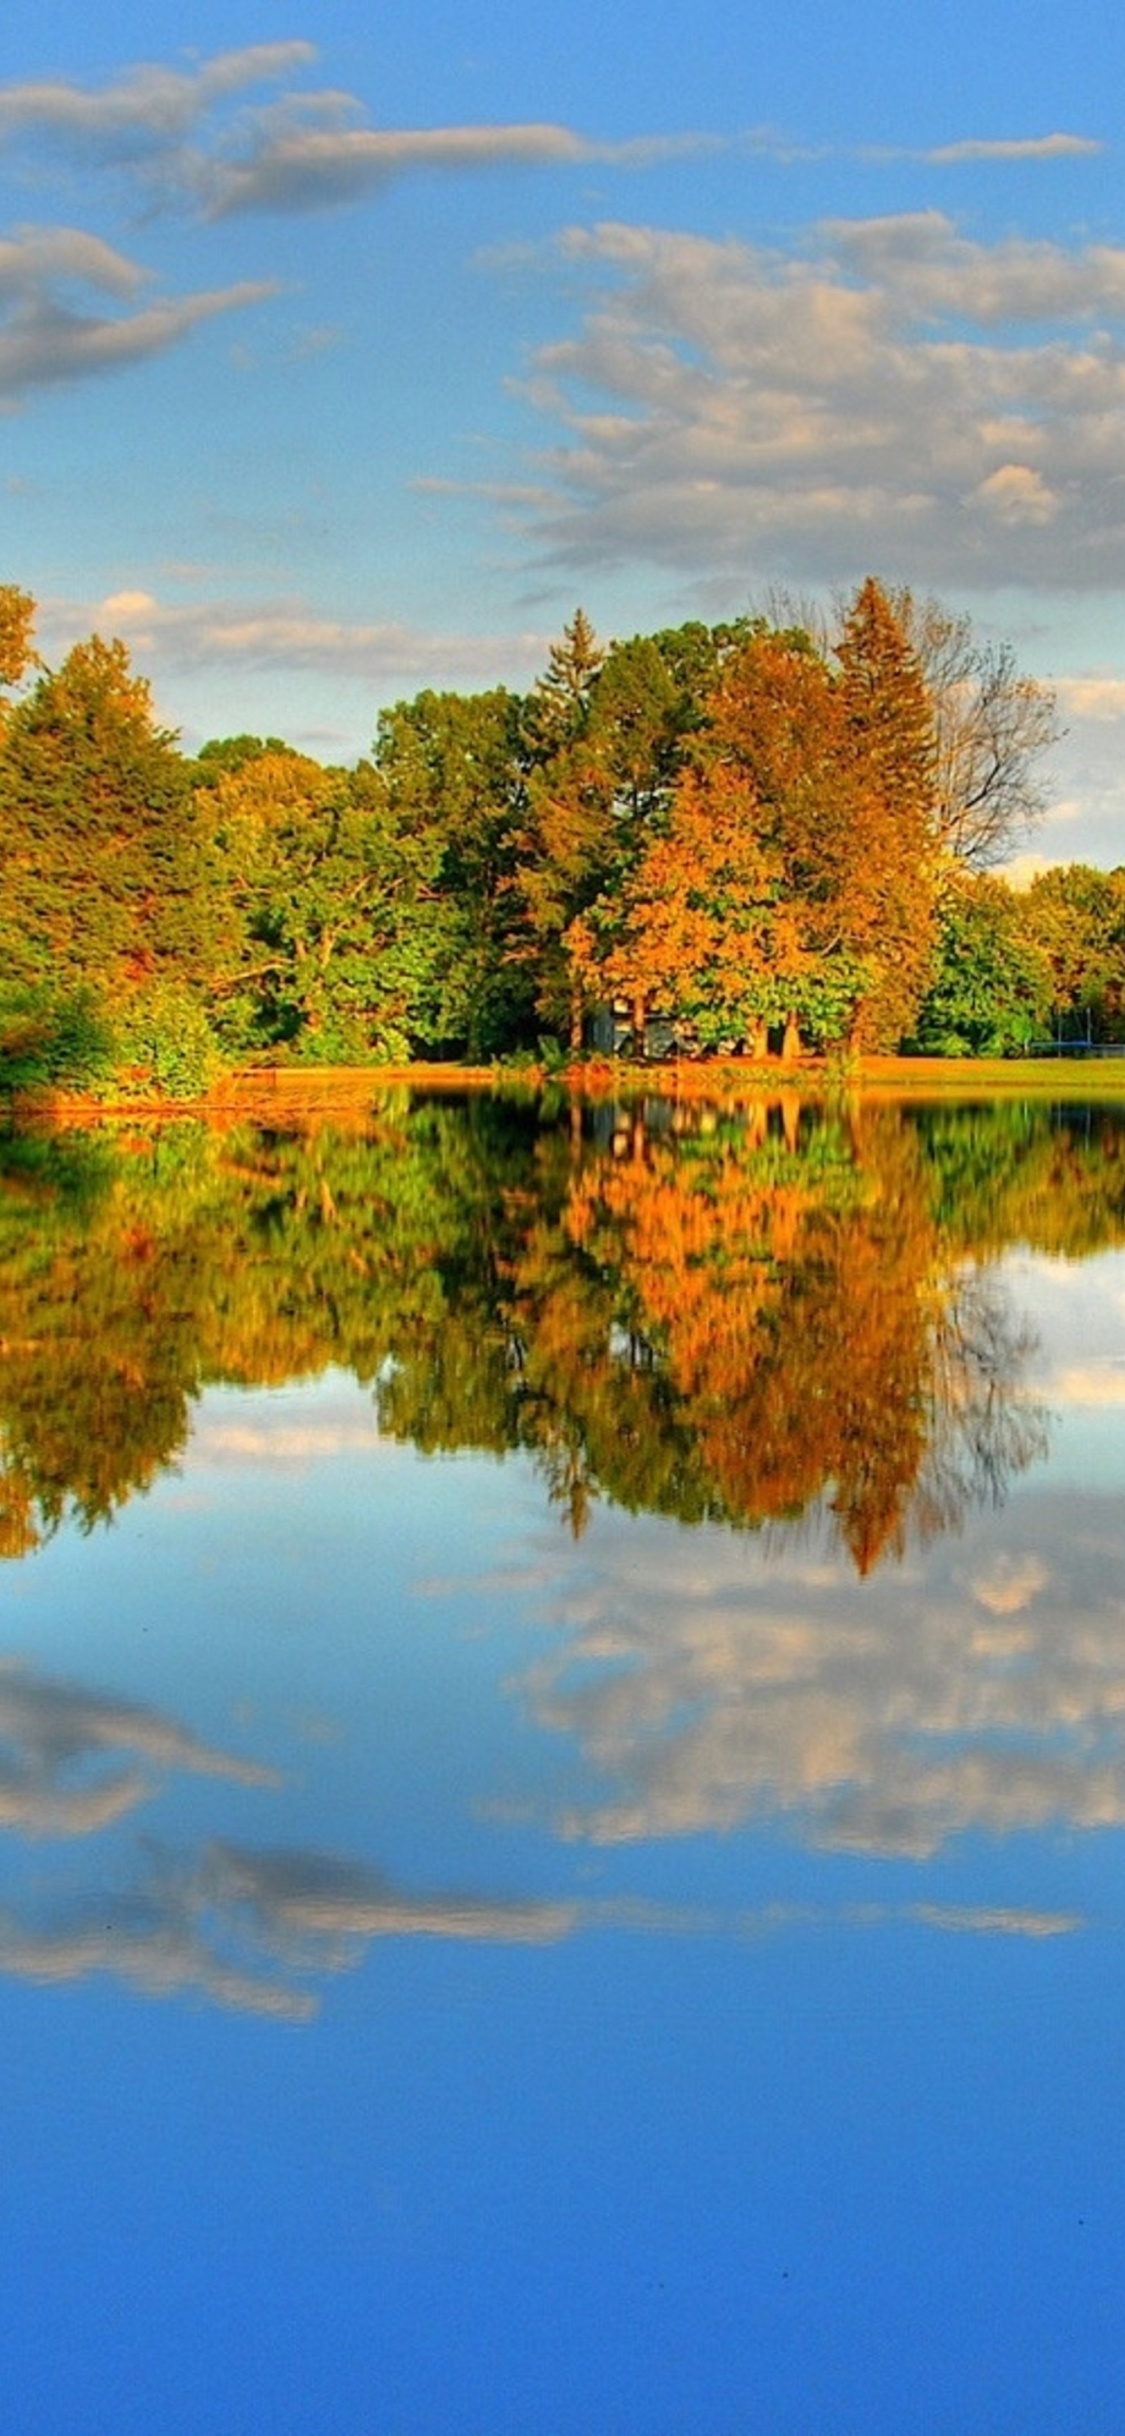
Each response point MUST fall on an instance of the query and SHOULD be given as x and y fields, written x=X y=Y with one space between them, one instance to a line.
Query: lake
x=562 y=1770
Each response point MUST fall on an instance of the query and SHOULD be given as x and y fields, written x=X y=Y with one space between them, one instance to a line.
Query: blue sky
x=341 y=355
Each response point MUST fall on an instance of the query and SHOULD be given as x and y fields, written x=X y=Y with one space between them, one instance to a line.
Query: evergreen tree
x=889 y=754
x=99 y=880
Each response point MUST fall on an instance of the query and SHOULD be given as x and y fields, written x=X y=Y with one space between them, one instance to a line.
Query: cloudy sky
x=347 y=354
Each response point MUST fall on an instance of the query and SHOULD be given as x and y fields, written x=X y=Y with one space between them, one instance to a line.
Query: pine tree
x=99 y=867
x=888 y=754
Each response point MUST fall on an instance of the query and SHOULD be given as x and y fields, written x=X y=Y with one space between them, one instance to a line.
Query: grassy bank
x=267 y=1094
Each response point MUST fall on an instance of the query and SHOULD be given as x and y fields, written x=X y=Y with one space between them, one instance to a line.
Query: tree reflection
x=744 y=1318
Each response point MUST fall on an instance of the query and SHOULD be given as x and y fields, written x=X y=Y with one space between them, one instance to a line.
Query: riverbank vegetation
x=747 y=839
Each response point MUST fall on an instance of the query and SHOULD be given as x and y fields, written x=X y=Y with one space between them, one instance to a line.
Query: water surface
x=562 y=1769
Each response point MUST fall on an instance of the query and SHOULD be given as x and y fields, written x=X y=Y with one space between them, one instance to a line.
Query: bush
x=164 y=1043
x=54 y=1040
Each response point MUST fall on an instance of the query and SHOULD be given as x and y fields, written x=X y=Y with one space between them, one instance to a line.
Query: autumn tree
x=1074 y=915
x=100 y=870
x=887 y=901
x=702 y=928
x=17 y=622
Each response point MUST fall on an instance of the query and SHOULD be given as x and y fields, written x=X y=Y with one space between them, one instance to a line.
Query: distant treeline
x=742 y=837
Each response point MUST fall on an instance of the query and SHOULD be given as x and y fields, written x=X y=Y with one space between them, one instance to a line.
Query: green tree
x=991 y=991
x=1075 y=916
x=564 y=842
x=329 y=930
x=100 y=870
x=451 y=766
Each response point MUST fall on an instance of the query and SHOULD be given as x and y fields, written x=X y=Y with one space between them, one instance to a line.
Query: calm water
x=562 y=1774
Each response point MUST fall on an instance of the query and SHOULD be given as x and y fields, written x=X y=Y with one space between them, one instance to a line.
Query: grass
x=267 y=1093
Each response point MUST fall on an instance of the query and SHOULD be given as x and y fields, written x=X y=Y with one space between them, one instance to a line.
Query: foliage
x=17 y=623
x=164 y=1043
x=744 y=830
x=991 y=992
x=1075 y=917
x=791 y=1311
x=53 y=1039
x=99 y=883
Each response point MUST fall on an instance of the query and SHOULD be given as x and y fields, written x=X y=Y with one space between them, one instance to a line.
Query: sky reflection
x=552 y=1874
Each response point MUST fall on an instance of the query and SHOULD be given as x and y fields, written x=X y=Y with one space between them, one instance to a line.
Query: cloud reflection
x=259 y=1929
x=52 y=1732
x=248 y=1929
x=978 y=1689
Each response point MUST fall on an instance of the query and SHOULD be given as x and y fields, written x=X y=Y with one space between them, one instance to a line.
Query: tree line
x=762 y=836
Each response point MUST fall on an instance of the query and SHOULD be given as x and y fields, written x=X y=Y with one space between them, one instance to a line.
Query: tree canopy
x=752 y=834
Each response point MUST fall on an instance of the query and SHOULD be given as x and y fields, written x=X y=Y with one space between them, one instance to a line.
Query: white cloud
x=249 y=1929
x=145 y=105
x=1003 y=1921
x=892 y=393
x=289 y=634
x=46 y=338
x=1015 y=148
x=306 y=168
x=1016 y=494
x=303 y=149
x=1008 y=1586
x=1091 y=1386
x=1101 y=698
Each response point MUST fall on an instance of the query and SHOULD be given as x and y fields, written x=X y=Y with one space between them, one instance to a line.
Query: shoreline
x=271 y=1091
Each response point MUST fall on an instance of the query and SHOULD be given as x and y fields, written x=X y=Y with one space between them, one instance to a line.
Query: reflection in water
x=975 y=1692
x=249 y=1929
x=793 y=1321
x=50 y=1732
x=741 y=1319
x=257 y=1929
x=241 y=1926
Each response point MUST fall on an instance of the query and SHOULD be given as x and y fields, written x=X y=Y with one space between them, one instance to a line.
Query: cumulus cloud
x=891 y=393
x=1091 y=1385
x=145 y=106
x=173 y=128
x=292 y=1448
x=1101 y=698
x=48 y=338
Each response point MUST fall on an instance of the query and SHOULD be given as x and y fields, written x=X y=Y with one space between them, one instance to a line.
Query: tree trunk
x=791 y=1040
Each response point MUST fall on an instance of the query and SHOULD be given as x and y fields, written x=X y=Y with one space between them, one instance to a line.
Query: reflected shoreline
x=724 y=1317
